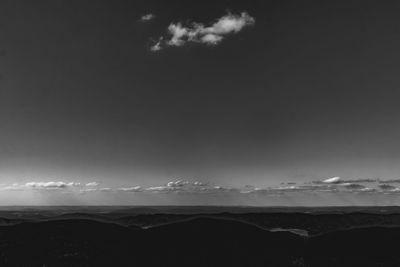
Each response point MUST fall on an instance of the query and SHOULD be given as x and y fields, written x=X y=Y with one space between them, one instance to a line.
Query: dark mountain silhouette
x=196 y=242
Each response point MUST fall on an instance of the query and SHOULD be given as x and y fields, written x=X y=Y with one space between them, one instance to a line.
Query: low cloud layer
x=49 y=185
x=208 y=34
x=330 y=185
x=130 y=189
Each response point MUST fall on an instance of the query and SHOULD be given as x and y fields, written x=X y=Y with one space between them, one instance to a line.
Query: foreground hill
x=196 y=242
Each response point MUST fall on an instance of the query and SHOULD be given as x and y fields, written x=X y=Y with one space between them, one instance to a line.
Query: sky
x=200 y=102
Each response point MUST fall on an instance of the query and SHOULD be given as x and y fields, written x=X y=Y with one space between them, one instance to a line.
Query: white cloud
x=178 y=32
x=200 y=33
x=157 y=46
x=41 y=185
x=51 y=185
x=211 y=38
x=92 y=184
x=332 y=180
x=130 y=189
x=178 y=183
x=331 y=185
x=162 y=189
x=230 y=23
x=147 y=17
x=183 y=186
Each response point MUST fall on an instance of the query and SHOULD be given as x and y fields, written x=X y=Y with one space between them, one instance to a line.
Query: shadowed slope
x=196 y=242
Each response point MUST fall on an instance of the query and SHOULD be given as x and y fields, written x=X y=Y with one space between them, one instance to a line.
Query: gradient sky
x=309 y=91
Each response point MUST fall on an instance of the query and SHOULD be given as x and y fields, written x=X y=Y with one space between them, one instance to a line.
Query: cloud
x=333 y=180
x=338 y=180
x=105 y=189
x=50 y=185
x=92 y=184
x=147 y=17
x=90 y=190
x=297 y=188
x=390 y=181
x=213 y=34
x=178 y=32
x=162 y=189
x=353 y=186
x=387 y=187
x=130 y=189
x=360 y=181
x=330 y=185
x=179 y=183
x=157 y=46
x=184 y=186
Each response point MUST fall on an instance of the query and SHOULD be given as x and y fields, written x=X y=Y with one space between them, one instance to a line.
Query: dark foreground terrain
x=79 y=239
x=200 y=242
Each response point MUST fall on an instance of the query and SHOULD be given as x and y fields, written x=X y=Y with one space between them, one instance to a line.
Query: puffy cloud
x=229 y=23
x=178 y=32
x=213 y=34
x=147 y=17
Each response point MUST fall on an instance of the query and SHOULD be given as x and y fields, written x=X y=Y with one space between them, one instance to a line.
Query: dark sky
x=310 y=91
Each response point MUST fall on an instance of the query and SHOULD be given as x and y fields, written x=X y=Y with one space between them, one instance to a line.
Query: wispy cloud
x=210 y=34
x=90 y=190
x=338 y=180
x=92 y=184
x=157 y=46
x=47 y=185
x=51 y=185
x=130 y=189
x=147 y=17
x=41 y=185
x=389 y=181
x=387 y=187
